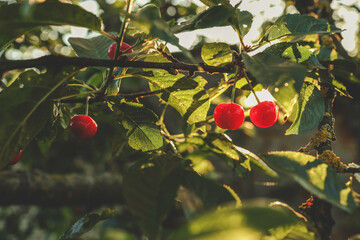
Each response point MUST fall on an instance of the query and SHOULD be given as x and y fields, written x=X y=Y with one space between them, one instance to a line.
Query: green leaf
x=139 y=122
x=314 y=175
x=240 y=83
x=17 y=19
x=298 y=231
x=199 y=159
x=240 y=159
x=216 y=54
x=297 y=25
x=25 y=107
x=284 y=79
x=185 y=94
x=243 y=22
x=311 y=109
x=256 y=161
x=246 y=223
x=86 y=223
x=295 y=53
x=150 y=12
x=150 y=188
x=96 y=47
x=211 y=3
x=95 y=80
x=211 y=194
x=213 y=16
x=222 y=144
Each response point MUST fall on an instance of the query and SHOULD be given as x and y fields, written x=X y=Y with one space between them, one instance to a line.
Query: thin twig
x=118 y=45
x=100 y=99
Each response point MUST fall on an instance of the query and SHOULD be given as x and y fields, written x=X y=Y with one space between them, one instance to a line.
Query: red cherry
x=265 y=114
x=83 y=126
x=16 y=158
x=124 y=46
x=229 y=116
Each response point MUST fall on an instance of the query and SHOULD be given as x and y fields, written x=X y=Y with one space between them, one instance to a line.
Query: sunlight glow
x=350 y=19
x=263 y=95
x=262 y=10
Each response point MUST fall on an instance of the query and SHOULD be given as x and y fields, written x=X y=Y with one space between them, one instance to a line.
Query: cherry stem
x=233 y=93
x=252 y=89
x=243 y=46
x=87 y=106
x=123 y=27
x=121 y=38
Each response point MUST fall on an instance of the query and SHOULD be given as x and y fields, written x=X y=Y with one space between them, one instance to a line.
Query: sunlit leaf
x=311 y=109
x=185 y=94
x=96 y=47
x=242 y=21
x=221 y=143
x=295 y=53
x=216 y=54
x=297 y=25
x=246 y=223
x=139 y=123
x=298 y=231
x=199 y=159
x=213 y=16
x=314 y=175
x=257 y=161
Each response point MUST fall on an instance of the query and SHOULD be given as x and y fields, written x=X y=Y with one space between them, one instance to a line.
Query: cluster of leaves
x=291 y=69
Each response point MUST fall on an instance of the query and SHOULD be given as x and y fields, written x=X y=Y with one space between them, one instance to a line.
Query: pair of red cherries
x=231 y=115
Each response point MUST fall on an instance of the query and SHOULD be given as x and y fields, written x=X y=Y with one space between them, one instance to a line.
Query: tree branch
x=59 y=61
x=100 y=98
x=351 y=170
x=37 y=188
x=319 y=212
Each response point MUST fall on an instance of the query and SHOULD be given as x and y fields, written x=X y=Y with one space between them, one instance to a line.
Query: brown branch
x=351 y=170
x=34 y=187
x=59 y=61
x=319 y=212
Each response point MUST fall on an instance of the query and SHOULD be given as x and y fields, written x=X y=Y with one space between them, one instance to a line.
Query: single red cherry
x=16 y=158
x=265 y=114
x=83 y=126
x=229 y=116
x=124 y=46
